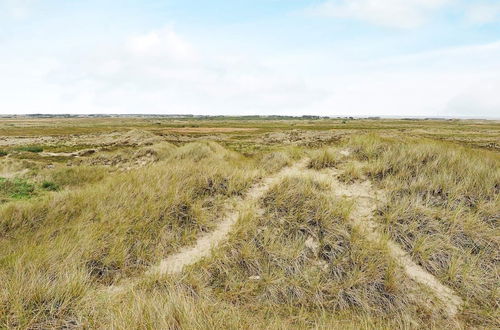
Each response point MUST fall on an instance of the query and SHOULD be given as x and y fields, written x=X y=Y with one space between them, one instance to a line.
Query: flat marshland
x=162 y=223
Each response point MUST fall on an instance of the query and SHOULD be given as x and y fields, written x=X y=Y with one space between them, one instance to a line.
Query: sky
x=437 y=58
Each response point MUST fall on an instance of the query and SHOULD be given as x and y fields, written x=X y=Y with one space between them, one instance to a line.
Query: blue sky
x=340 y=57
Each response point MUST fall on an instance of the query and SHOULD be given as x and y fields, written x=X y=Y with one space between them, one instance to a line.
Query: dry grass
x=324 y=158
x=67 y=242
x=301 y=259
x=443 y=208
x=351 y=172
x=292 y=260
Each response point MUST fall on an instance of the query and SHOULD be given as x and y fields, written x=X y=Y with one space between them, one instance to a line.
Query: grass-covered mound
x=58 y=247
x=443 y=208
x=300 y=263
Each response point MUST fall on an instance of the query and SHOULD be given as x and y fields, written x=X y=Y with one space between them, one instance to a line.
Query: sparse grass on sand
x=300 y=264
x=57 y=247
x=324 y=158
x=88 y=206
x=443 y=208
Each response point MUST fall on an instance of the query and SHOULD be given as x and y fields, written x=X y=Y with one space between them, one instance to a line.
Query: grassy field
x=248 y=223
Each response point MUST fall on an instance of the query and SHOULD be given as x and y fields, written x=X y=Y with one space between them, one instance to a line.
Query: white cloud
x=480 y=98
x=18 y=9
x=161 y=43
x=162 y=72
x=391 y=13
x=483 y=13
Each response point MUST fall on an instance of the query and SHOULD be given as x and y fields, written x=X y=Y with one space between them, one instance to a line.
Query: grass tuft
x=324 y=158
x=50 y=186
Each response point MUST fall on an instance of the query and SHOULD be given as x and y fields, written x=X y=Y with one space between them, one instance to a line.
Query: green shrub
x=30 y=148
x=3 y=153
x=51 y=186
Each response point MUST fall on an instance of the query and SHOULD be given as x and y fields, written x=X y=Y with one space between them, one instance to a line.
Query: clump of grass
x=442 y=174
x=324 y=158
x=34 y=149
x=274 y=161
x=201 y=150
x=15 y=189
x=161 y=150
x=11 y=166
x=351 y=172
x=75 y=176
x=160 y=305
x=50 y=186
x=168 y=303
x=366 y=147
x=3 y=153
x=128 y=157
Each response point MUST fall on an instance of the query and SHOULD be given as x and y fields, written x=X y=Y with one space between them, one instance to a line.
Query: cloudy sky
x=288 y=57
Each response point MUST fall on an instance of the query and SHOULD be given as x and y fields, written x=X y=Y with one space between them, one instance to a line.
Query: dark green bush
x=30 y=148
x=51 y=186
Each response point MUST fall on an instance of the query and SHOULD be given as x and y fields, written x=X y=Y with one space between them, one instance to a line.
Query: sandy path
x=189 y=255
x=83 y=152
x=366 y=199
x=363 y=217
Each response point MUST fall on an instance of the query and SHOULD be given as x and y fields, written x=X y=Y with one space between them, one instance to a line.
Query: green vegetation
x=15 y=189
x=30 y=148
x=51 y=186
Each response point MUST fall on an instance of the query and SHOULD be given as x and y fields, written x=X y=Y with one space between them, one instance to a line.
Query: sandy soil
x=366 y=198
x=190 y=255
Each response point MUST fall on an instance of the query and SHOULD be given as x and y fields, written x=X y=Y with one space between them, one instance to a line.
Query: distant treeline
x=177 y=116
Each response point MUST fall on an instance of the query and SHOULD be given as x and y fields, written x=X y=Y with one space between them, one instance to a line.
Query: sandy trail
x=189 y=255
x=366 y=198
x=79 y=153
x=175 y=263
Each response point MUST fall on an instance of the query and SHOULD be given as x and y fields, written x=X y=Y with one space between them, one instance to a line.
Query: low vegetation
x=443 y=208
x=12 y=189
x=351 y=172
x=29 y=148
x=109 y=230
x=85 y=216
x=327 y=157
